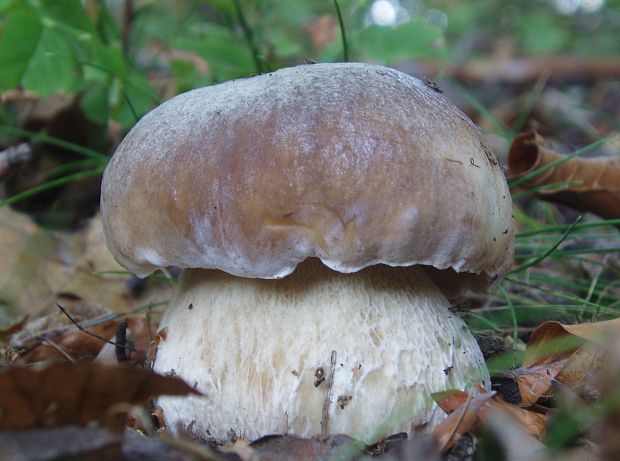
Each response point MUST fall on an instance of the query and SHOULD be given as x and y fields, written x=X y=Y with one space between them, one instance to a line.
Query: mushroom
x=323 y=215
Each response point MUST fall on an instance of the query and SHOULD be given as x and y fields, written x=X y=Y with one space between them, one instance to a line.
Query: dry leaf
x=461 y=419
x=569 y=354
x=72 y=345
x=532 y=423
x=599 y=191
x=64 y=394
x=39 y=265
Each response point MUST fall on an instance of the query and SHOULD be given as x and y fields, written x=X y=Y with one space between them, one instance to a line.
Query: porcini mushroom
x=321 y=214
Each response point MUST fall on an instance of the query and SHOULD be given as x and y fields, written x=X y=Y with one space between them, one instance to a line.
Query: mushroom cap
x=352 y=163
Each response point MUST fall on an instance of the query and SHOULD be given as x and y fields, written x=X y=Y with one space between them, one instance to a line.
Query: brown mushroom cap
x=352 y=163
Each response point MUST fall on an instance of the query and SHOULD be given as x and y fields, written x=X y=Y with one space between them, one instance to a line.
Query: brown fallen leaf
x=531 y=423
x=81 y=393
x=461 y=420
x=39 y=265
x=570 y=354
x=598 y=192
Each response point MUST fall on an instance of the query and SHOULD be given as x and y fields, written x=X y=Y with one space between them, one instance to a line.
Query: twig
x=31 y=341
x=121 y=342
x=51 y=343
x=328 y=395
x=93 y=334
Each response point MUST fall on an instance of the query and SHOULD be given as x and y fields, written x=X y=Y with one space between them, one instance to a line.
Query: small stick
x=328 y=395
x=51 y=343
x=89 y=333
x=121 y=342
x=31 y=341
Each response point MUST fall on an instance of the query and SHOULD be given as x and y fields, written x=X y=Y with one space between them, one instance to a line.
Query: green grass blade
x=513 y=315
x=543 y=187
x=538 y=259
x=131 y=107
x=51 y=184
x=38 y=136
x=483 y=319
x=531 y=99
x=563 y=227
x=569 y=253
x=249 y=36
x=66 y=168
x=343 y=33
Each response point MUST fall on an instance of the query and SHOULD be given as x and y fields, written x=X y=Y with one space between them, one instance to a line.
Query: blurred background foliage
x=122 y=57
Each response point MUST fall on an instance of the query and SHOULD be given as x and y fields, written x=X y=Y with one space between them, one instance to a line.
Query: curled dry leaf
x=82 y=393
x=479 y=407
x=598 y=192
x=570 y=354
x=461 y=419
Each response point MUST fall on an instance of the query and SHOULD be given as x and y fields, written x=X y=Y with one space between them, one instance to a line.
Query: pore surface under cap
x=352 y=163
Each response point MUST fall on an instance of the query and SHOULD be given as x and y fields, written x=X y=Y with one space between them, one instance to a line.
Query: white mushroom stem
x=257 y=349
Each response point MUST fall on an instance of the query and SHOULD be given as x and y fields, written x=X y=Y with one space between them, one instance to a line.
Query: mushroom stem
x=260 y=350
